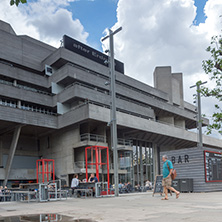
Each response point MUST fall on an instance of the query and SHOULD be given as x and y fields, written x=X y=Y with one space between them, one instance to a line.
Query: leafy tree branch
x=17 y=2
x=213 y=68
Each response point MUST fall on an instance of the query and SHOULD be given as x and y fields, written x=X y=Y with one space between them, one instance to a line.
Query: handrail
x=92 y=137
x=28 y=88
x=12 y=104
x=125 y=142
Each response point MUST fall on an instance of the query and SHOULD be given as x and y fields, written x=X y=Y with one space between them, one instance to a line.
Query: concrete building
x=54 y=102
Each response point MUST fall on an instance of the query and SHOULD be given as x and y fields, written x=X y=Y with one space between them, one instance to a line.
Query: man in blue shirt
x=93 y=178
x=167 y=181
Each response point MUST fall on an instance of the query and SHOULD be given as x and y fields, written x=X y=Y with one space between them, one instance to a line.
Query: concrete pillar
x=166 y=119
x=141 y=165
x=133 y=173
x=146 y=158
x=179 y=123
x=137 y=163
x=155 y=161
x=1 y=151
x=152 y=164
x=19 y=104
x=12 y=153
x=15 y=82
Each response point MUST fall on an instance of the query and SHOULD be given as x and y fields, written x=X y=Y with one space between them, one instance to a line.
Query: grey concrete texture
x=192 y=207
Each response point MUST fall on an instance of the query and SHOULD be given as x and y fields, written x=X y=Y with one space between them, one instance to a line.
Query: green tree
x=17 y=2
x=213 y=68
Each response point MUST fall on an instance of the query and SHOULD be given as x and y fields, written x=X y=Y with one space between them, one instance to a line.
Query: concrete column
x=0 y=151
x=179 y=123
x=15 y=82
x=141 y=166
x=155 y=161
x=146 y=157
x=19 y=104
x=12 y=153
x=137 y=163
x=150 y=162
x=133 y=173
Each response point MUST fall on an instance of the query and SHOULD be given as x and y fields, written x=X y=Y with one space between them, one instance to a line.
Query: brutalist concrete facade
x=57 y=114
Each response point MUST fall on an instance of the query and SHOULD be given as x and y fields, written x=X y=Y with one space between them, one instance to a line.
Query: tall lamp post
x=113 y=107
x=199 y=118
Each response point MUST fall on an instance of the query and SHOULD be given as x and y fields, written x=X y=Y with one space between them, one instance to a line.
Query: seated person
x=120 y=187
x=129 y=187
x=74 y=183
x=93 y=178
x=148 y=185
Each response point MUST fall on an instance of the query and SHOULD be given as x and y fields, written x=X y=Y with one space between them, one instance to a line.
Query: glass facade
x=136 y=166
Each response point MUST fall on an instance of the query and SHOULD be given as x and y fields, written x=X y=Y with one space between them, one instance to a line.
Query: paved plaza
x=131 y=207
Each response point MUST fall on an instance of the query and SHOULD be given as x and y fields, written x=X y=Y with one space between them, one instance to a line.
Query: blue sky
x=95 y=16
x=200 y=17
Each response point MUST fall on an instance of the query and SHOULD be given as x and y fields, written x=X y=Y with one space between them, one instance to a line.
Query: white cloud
x=161 y=33
x=46 y=20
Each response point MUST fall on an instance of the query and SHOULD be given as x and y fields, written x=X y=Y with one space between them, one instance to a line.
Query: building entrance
x=142 y=162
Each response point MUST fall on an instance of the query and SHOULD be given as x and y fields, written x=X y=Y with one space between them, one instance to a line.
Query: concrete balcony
x=80 y=167
x=70 y=73
x=62 y=56
x=23 y=75
x=92 y=137
x=94 y=94
x=12 y=114
x=99 y=140
x=18 y=93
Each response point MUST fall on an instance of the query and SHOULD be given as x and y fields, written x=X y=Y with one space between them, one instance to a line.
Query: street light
x=113 y=107
x=199 y=119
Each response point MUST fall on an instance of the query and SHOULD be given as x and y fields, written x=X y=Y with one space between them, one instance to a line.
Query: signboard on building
x=90 y=53
x=213 y=166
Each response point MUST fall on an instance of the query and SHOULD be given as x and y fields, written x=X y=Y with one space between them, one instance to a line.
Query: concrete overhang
x=19 y=116
x=149 y=126
x=30 y=97
x=70 y=71
x=92 y=94
x=62 y=56
x=22 y=75
x=70 y=74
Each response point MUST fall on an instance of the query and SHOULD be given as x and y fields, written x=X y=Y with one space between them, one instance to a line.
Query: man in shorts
x=167 y=181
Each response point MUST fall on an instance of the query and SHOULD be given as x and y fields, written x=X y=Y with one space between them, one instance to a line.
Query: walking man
x=167 y=181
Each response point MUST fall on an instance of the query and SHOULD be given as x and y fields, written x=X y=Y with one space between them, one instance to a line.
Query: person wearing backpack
x=167 y=180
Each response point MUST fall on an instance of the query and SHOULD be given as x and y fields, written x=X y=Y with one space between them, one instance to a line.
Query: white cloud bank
x=46 y=20
x=161 y=33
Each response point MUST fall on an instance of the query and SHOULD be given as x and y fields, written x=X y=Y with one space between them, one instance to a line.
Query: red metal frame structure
x=45 y=167
x=98 y=158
